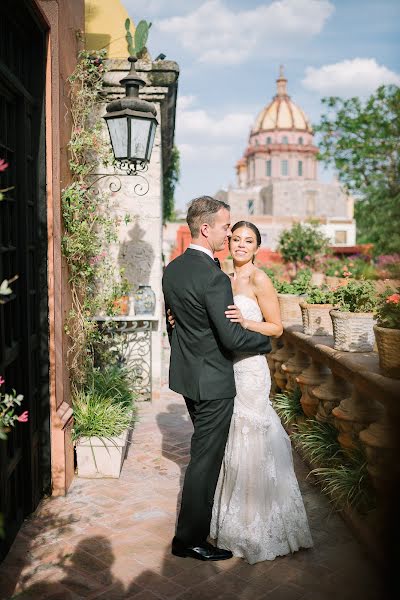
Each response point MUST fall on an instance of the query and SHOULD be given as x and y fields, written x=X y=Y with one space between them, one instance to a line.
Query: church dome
x=281 y=113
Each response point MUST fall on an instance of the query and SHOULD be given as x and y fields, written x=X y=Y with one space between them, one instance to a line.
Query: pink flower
x=346 y=273
x=2 y=380
x=24 y=417
x=3 y=165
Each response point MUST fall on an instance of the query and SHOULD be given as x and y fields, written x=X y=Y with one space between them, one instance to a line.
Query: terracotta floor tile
x=113 y=537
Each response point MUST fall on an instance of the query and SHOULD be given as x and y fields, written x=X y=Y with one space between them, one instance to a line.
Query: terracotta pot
x=388 y=342
x=353 y=332
x=290 y=309
x=316 y=318
x=121 y=305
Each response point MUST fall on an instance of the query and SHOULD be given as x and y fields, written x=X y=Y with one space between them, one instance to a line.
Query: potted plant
x=103 y=416
x=289 y=295
x=120 y=297
x=315 y=311
x=387 y=332
x=302 y=244
x=100 y=433
x=353 y=319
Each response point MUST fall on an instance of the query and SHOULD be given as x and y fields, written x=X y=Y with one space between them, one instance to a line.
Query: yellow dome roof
x=281 y=113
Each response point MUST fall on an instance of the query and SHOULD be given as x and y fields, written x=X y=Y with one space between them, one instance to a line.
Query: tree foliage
x=362 y=140
x=171 y=178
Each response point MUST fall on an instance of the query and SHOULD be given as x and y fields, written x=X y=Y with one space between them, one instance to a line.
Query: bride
x=258 y=512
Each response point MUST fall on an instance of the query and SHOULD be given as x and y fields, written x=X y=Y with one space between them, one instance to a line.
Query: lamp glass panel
x=153 y=127
x=140 y=130
x=118 y=128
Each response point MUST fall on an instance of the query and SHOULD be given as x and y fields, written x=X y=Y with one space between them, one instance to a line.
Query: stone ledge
x=360 y=368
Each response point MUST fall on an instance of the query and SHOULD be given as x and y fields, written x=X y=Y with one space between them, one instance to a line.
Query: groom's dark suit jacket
x=204 y=340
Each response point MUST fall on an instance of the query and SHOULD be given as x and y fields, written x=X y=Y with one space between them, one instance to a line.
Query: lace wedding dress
x=258 y=511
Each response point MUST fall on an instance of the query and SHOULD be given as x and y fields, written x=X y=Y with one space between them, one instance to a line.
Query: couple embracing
x=240 y=489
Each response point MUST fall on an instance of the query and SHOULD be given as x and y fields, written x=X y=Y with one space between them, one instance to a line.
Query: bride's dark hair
x=251 y=226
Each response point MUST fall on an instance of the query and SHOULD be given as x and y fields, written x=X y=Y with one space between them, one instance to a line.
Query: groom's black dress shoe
x=204 y=551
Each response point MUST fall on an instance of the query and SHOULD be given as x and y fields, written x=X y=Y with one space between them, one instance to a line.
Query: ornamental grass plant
x=288 y=407
x=318 y=442
x=112 y=382
x=96 y=415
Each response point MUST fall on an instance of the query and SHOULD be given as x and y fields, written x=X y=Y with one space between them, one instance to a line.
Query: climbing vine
x=89 y=225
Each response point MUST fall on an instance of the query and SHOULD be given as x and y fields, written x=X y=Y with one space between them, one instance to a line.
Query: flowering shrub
x=356 y=296
x=388 y=309
x=8 y=404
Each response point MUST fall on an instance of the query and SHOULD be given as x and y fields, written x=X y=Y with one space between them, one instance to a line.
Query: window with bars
x=285 y=139
x=268 y=168
x=284 y=167
x=250 y=207
x=301 y=141
x=268 y=140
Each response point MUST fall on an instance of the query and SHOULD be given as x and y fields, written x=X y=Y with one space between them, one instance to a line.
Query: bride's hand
x=234 y=314
x=170 y=317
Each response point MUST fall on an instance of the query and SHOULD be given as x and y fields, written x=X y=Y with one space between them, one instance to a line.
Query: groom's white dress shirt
x=202 y=249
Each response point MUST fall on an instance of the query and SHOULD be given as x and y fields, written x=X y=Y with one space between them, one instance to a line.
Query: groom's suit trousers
x=211 y=420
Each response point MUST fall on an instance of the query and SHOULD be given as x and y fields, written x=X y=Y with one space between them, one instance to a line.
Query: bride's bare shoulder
x=260 y=280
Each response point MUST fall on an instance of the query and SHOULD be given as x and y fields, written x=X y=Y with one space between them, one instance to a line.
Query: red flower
x=393 y=299
x=3 y=165
x=24 y=417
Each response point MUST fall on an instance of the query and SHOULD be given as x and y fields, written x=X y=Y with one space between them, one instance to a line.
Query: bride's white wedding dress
x=258 y=510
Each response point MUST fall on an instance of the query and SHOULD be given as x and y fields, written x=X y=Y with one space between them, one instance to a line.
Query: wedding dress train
x=258 y=511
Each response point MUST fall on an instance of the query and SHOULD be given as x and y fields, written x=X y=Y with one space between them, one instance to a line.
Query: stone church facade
x=277 y=180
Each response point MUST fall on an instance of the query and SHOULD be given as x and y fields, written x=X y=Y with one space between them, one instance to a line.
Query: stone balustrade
x=347 y=390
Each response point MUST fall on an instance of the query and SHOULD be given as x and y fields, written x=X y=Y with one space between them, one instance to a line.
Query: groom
x=202 y=342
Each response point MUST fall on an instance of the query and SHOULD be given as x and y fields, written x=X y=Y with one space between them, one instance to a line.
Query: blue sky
x=229 y=54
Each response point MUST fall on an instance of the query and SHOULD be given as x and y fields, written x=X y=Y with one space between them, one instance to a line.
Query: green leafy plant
x=319 y=295
x=356 y=296
x=137 y=42
x=97 y=415
x=300 y=284
x=388 y=309
x=288 y=407
x=302 y=244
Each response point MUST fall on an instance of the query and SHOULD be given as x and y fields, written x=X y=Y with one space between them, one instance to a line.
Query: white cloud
x=356 y=77
x=218 y=34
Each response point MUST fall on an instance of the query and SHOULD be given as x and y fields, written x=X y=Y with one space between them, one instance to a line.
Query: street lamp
x=132 y=125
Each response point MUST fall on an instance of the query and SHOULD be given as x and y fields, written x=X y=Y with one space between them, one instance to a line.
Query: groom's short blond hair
x=203 y=210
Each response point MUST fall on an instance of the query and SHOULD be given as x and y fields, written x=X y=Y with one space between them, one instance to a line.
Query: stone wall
x=139 y=247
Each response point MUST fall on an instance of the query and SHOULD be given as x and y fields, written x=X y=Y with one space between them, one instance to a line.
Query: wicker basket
x=290 y=309
x=388 y=342
x=316 y=318
x=353 y=332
